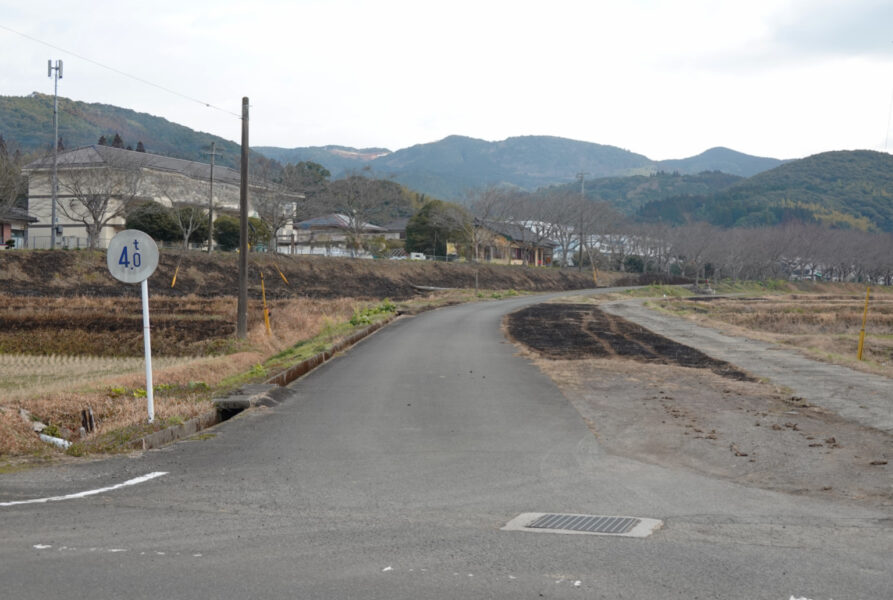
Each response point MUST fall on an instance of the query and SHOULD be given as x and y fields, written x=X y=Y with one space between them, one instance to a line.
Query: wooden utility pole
x=582 y=177
x=242 y=327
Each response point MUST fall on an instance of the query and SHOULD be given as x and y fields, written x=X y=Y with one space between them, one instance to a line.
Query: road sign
x=132 y=256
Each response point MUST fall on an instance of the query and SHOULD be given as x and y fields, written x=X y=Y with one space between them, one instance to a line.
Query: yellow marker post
x=864 y=319
x=281 y=274
x=263 y=295
x=174 y=280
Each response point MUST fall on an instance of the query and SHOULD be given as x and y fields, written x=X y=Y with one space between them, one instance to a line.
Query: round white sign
x=132 y=256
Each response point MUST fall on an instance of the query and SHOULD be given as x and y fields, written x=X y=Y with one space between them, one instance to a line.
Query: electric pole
x=213 y=153
x=56 y=73
x=582 y=177
x=242 y=308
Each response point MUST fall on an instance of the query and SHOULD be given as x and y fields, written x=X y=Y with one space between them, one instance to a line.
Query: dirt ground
x=658 y=401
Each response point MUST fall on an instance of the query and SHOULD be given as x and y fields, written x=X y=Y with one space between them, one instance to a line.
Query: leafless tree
x=12 y=183
x=96 y=195
x=187 y=212
x=487 y=206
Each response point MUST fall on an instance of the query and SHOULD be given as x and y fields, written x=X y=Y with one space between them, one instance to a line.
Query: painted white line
x=129 y=482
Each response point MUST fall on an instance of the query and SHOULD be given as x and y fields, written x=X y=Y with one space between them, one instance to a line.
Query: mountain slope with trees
x=28 y=122
x=842 y=189
x=721 y=159
x=629 y=194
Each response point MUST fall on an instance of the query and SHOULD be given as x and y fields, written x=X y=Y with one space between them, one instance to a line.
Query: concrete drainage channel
x=269 y=393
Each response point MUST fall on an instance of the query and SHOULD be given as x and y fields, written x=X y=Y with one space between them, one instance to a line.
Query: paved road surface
x=388 y=474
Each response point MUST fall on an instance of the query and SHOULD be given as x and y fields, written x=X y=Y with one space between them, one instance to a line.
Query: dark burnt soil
x=582 y=331
x=111 y=327
x=84 y=273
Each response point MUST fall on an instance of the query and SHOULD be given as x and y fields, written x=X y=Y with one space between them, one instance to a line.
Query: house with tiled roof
x=333 y=235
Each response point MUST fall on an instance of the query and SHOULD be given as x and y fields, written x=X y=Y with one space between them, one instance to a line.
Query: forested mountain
x=448 y=167
x=843 y=189
x=721 y=159
x=443 y=169
x=27 y=122
x=629 y=194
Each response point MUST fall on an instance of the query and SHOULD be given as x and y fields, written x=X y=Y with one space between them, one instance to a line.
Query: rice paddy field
x=825 y=324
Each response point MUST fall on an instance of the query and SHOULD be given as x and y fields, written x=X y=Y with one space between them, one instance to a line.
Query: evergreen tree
x=102 y=141
x=59 y=144
x=140 y=147
x=117 y=142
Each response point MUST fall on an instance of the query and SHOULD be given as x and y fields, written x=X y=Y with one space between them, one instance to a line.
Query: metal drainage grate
x=583 y=524
x=587 y=524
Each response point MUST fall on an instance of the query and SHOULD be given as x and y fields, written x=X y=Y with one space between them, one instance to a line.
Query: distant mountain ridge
x=448 y=167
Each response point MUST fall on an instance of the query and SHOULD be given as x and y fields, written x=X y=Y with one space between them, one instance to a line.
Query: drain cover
x=583 y=524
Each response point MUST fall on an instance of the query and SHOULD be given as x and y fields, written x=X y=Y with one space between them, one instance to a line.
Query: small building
x=332 y=235
x=91 y=176
x=14 y=223
x=513 y=244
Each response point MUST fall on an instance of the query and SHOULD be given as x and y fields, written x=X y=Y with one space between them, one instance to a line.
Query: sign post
x=132 y=257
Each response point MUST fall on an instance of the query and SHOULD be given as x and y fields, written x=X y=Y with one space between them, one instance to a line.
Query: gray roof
x=336 y=220
x=14 y=213
x=96 y=155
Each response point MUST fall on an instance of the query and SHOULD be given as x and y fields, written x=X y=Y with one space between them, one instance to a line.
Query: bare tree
x=363 y=199
x=188 y=213
x=12 y=183
x=275 y=207
x=96 y=195
x=487 y=206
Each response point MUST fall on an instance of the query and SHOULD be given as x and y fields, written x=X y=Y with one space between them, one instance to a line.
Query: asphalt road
x=388 y=474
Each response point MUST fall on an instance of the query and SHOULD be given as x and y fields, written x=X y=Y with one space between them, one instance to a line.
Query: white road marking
x=134 y=481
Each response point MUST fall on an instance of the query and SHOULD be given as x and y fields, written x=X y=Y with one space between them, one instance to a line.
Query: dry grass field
x=822 y=320
x=62 y=356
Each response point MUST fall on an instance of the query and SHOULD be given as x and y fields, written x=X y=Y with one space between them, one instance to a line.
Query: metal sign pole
x=147 y=347
x=132 y=257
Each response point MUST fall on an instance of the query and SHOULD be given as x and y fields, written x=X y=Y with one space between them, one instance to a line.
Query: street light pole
x=56 y=73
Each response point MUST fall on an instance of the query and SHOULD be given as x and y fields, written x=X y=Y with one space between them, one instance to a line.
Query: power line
x=122 y=73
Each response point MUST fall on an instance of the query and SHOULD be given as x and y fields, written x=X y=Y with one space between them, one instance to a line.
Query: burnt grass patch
x=581 y=331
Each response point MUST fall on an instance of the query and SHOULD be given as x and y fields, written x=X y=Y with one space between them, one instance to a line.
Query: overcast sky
x=664 y=78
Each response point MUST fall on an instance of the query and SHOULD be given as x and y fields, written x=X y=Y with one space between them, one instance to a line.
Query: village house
x=334 y=234
x=14 y=224
x=512 y=244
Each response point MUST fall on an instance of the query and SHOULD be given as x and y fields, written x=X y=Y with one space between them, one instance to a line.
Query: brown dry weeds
x=824 y=326
x=59 y=393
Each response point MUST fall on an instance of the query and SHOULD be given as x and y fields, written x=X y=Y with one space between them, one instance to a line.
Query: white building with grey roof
x=97 y=184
